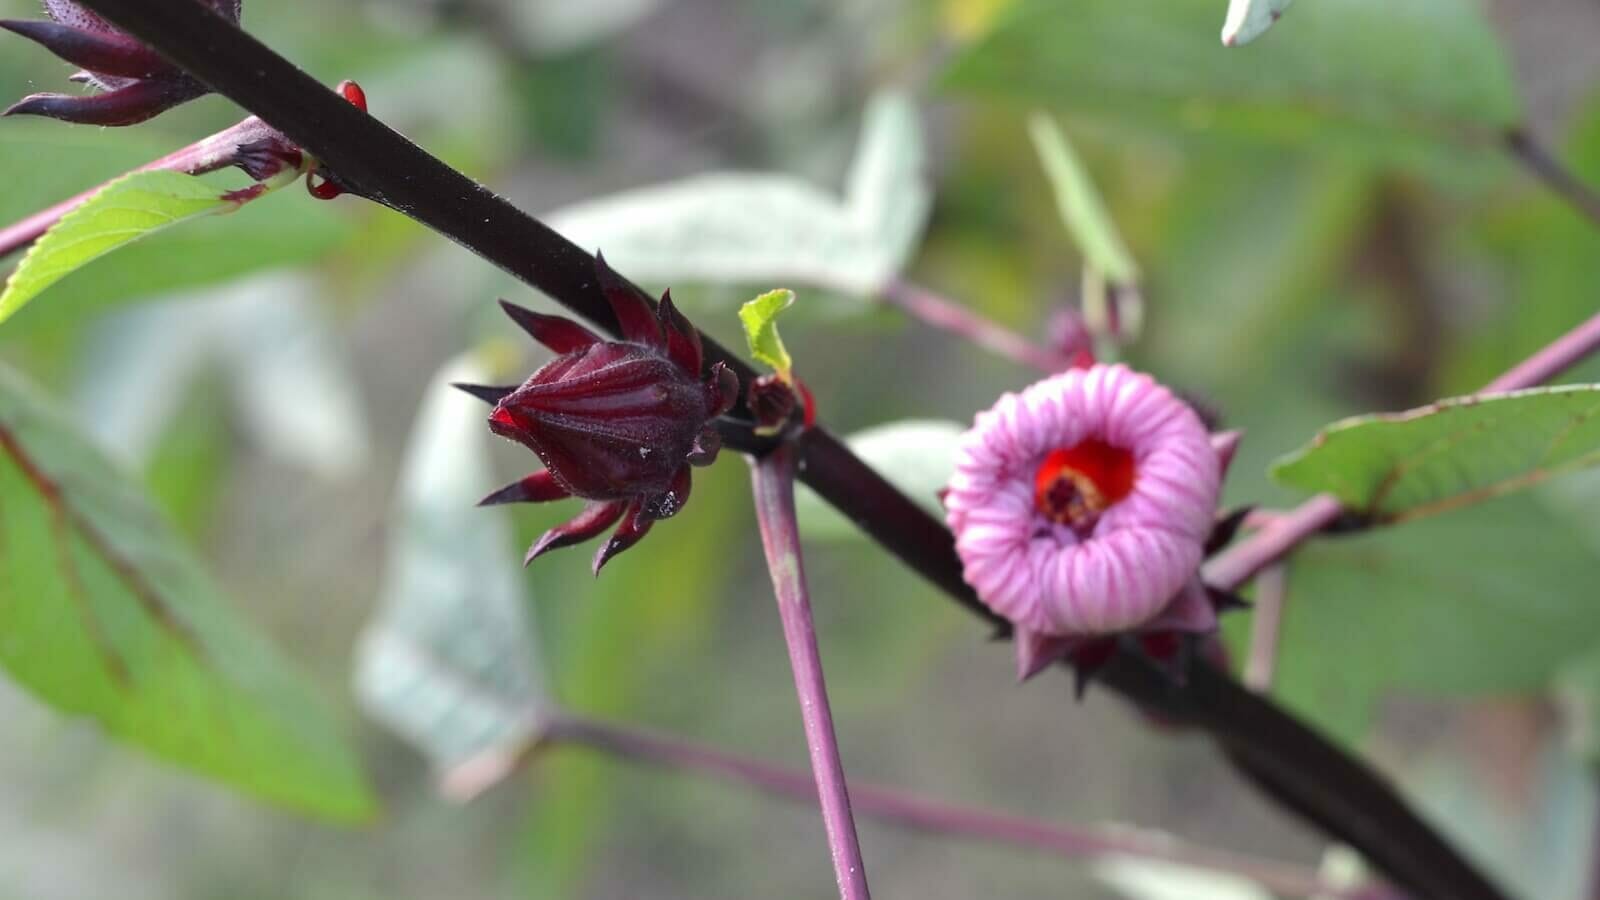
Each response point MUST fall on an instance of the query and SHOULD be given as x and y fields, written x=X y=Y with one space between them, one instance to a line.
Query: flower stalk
x=773 y=478
x=1266 y=625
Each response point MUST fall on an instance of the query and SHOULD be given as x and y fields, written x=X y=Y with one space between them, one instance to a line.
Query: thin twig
x=1074 y=842
x=947 y=315
x=1266 y=624
x=1543 y=165
x=773 y=478
x=1232 y=568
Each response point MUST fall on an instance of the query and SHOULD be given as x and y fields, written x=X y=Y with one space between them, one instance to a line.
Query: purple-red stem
x=933 y=817
x=1266 y=624
x=946 y=315
x=773 y=478
x=216 y=152
x=1244 y=560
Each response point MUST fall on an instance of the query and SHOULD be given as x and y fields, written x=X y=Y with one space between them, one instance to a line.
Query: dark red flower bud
x=136 y=83
x=617 y=423
x=772 y=402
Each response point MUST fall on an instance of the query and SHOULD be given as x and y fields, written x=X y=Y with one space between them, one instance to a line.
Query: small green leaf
x=1247 y=19
x=1396 y=466
x=107 y=615
x=449 y=661
x=1081 y=208
x=122 y=212
x=760 y=318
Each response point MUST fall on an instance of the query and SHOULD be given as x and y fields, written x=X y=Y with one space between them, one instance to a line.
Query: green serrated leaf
x=1396 y=466
x=1082 y=210
x=760 y=319
x=123 y=211
x=106 y=614
x=1398 y=80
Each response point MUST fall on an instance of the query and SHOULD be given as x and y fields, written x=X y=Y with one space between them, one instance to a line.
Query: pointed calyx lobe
x=616 y=423
x=134 y=82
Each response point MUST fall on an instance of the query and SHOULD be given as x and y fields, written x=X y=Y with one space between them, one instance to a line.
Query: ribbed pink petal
x=1131 y=570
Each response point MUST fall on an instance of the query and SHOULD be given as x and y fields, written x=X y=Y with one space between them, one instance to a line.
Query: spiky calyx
x=616 y=423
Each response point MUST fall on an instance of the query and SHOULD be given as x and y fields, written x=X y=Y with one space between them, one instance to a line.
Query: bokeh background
x=264 y=374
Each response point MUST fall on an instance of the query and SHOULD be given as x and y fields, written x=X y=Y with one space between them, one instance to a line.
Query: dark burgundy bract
x=134 y=82
x=617 y=423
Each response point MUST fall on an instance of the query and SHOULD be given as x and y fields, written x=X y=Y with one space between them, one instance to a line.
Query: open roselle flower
x=1082 y=508
x=617 y=423
x=134 y=81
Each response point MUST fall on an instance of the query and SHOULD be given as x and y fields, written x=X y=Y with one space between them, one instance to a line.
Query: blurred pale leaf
x=553 y=26
x=1144 y=879
x=1395 y=466
x=1082 y=210
x=449 y=662
x=109 y=616
x=760 y=320
x=122 y=212
x=1527 y=818
x=293 y=390
x=1493 y=598
x=1247 y=19
x=1577 y=689
x=1396 y=78
x=917 y=456
x=755 y=228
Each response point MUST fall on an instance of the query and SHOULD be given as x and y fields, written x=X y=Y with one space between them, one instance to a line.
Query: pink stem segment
x=962 y=322
x=1243 y=561
x=908 y=810
x=780 y=537
x=1272 y=586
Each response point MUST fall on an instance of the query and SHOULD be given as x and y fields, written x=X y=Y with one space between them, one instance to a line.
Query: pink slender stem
x=1243 y=561
x=216 y=152
x=962 y=322
x=933 y=817
x=780 y=537
x=1560 y=355
x=1272 y=586
x=1230 y=570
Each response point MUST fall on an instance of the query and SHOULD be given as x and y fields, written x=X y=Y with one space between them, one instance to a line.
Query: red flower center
x=1073 y=486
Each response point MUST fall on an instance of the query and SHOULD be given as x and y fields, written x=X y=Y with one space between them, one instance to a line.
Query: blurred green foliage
x=1324 y=226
